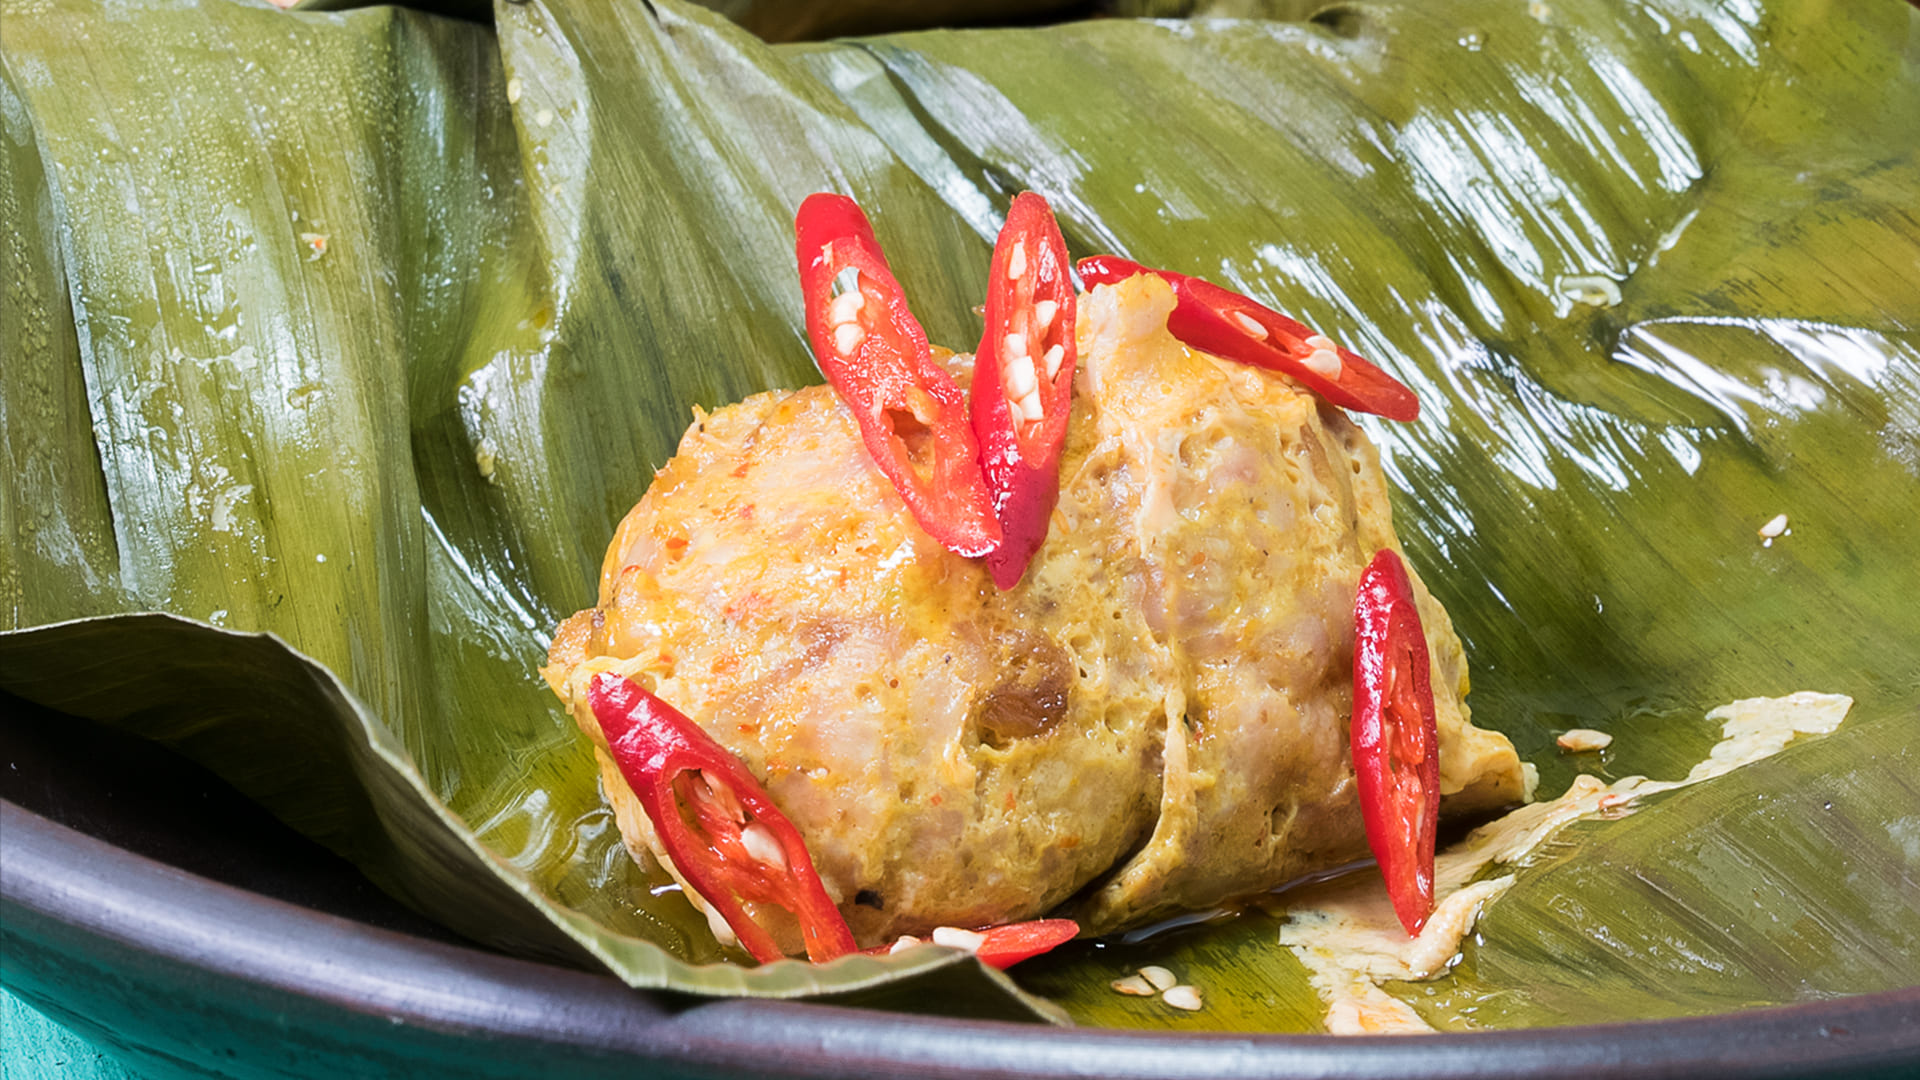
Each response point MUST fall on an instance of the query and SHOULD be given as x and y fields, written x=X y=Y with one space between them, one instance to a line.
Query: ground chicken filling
x=1154 y=720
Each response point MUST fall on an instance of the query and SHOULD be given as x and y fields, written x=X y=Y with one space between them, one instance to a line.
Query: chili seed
x=1324 y=362
x=955 y=938
x=761 y=844
x=846 y=307
x=1160 y=977
x=1580 y=740
x=847 y=337
x=1020 y=378
x=1183 y=997
x=1053 y=358
x=1030 y=407
x=704 y=794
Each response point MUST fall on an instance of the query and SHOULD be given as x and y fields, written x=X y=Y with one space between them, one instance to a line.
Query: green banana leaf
x=276 y=362
x=1782 y=882
x=345 y=338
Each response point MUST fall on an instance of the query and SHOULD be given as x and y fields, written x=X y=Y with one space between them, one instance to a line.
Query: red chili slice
x=1396 y=747
x=912 y=415
x=1023 y=381
x=1008 y=945
x=1224 y=323
x=718 y=825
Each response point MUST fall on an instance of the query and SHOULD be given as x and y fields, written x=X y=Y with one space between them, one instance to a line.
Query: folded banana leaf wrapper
x=336 y=343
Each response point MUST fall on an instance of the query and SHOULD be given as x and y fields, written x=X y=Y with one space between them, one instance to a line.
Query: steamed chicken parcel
x=1153 y=718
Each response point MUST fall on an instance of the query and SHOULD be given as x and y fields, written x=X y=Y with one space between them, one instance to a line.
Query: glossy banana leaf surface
x=344 y=339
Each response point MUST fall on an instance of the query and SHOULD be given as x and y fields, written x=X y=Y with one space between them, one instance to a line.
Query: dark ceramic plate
x=156 y=912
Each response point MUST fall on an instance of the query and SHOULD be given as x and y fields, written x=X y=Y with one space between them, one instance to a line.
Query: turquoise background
x=33 y=1047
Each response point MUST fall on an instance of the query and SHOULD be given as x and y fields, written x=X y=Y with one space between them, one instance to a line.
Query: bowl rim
x=59 y=885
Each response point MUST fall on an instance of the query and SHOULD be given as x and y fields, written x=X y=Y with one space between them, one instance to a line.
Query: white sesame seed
x=1160 y=977
x=846 y=307
x=847 y=337
x=1183 y=997
x=513 y=90
x=760 y=843
x=1016 y=345
x=1017 y=262
x=1324 y=362
x=1053 y=358
x=1030 y=407
x=1132 y=986
x=544 y=117
x=1581 y=740
x=1020 y=378
x=907 y=941
x=1043 y=313
x=1251 y=325
x=955 y=938
x=1774 y=527
x=1320 y=341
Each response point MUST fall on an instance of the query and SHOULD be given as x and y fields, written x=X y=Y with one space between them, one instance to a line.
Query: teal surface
x=33 y=1047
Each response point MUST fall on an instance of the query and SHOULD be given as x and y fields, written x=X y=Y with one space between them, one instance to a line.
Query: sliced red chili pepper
x=718 y=825
x=1396 y=746
x=912 y=415
x=1224 y=323
x=1023 y=381
x=1008 y=945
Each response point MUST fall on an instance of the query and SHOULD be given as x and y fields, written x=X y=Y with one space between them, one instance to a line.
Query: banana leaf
x=345 y=338
x=279 y=358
